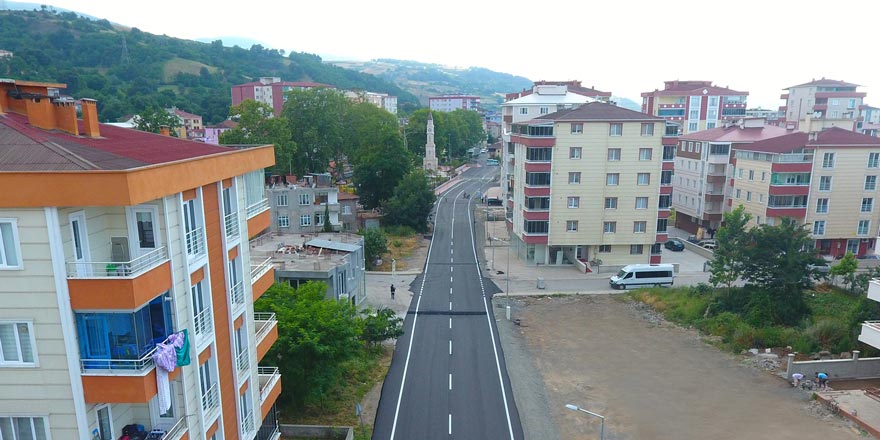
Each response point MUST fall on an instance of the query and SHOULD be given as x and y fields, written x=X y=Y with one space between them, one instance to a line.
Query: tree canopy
x=454 y=132
x=154 y=119
x=728 y=262
x=412 y=202
x=256 y=126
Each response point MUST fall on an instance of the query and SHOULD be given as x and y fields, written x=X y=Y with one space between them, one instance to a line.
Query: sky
x=624 y=46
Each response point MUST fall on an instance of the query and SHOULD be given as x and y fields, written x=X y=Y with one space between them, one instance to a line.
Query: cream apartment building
x=586 y=186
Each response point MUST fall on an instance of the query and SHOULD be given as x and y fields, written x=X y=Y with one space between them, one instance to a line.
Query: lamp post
x=507 y=278
x=577 y=408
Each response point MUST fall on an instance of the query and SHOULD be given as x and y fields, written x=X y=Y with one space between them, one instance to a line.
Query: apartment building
x=299 y=206
x=703 y=163
x=869 y=121
x=586 y=185
x=573 y=86
x=826 y=180
x=270 y=90
x=695 y=105
x=828 y=102
x=115 y=243
x=190 y=122
x=451 y=103
x=381 y=100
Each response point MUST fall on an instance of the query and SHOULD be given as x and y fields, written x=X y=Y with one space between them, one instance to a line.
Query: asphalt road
x=448 y=379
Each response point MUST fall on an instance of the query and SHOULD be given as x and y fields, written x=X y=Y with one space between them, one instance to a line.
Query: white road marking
x=451 y=267
x=450 y=424
x=450 y=278
x=450 y=353
x=450 y=305
x=450 y=322
x=450 y=381
x=450 y=290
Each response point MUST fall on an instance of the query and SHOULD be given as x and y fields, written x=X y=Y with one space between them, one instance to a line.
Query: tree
x=375 y=244
x=728 y=263
x=257 y=126
x=378 y=158
x=381 y=326
x=846 y=268
x=316 y=118
x=327 y=226
x=412 y=202
x=154 y=119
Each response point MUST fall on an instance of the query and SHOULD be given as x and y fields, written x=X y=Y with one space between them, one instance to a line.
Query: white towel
x=164 y=389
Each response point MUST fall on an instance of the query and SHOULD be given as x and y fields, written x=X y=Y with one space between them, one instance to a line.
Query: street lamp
x=577 y=408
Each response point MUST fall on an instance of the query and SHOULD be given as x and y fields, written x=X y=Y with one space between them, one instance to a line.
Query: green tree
x=327 y=226
x=375 y=244
x=154 y=119
x=317 y=121
x=257 y=126
x=846 y=268
x=728 y=263
x=378 y=158
x=412 y=202
x=381 y=326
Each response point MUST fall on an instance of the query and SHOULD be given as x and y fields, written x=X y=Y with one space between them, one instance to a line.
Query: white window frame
x=873 y=186
x=577 y=128
x=45 y=420
x=109 y=417
x=574 y=202
x=609 y=227
x=819 y=227
x=873 y=160
x=615 y=181
x=828 y=160
x=543 y=110
x=830 y=182
x=16 y=246
x=575 y=153
x=646 y=153
x=820 y=205
x=571 y=226
x=869 y=205
x=283 y=221
x=613 y=201
x=305 y=199
x=613 y=155
x=647 y=129
x=281 y=199
x=643 y=205
x=32 y=341
x=604 y=248
x=636 y=249
x=305 y=220
x=615 y=129
x=640 y=227
x=867 y=229
x=643 y=176
x=523 y=110
x=574 y=177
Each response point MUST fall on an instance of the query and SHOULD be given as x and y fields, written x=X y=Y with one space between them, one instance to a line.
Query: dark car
x=674 y=245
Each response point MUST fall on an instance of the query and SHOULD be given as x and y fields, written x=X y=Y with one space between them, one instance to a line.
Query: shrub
x=724 y=324
x=744 y=337
x=826 y=332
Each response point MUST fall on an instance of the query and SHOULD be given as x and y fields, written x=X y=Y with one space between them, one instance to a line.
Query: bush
x=724 y=324
x=829 y=334
x=400 y=231
x=744 y=337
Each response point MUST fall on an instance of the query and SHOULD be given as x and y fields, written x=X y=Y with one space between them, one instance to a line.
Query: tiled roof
x=346 y=196
x=598 y=111
x=825 y=83
x=286 y=83
x=737 y=134
x=186 y=115
x=832 y=137
x=27 y=148
x=679 y=88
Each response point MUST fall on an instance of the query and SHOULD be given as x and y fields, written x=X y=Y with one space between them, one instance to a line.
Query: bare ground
x=650 y=379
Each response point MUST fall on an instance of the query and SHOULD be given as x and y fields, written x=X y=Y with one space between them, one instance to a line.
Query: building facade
x=270 y=91
x=300 y=207
x=450 y=103
x=116 y=242
x=586 y=186
x=827 y=102
x=695 y=105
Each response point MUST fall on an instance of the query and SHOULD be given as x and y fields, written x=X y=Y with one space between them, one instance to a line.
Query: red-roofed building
x=189 y=121
x=826 y=102
x=270 y=91
x=695 y=105
x=114 y=243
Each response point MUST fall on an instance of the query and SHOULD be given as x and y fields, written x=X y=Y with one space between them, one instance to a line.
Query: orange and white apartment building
x=114 y=242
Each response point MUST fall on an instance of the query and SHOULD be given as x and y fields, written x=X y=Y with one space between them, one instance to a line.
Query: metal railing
x=120 y=367
x=257 y=208
x=195 y=243
x=271 y=376
x=247 y=424
x=875 y=325
x=211 y=401
x=243 y=360
x=204 y=322
x=131 y=268
x=230 y=222
x=793 y=158
x=236 y=294
x=267 y=320
x=177 y=430
x=260 y=269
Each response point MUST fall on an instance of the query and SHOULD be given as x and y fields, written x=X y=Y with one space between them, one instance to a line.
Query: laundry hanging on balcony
x=180 y=341
x=166 y=359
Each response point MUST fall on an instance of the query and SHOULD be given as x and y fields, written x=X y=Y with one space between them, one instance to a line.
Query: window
x=758 y=220
x=710 y=125
x=870 y=183
x=825 y=183
x=615 y=129
x=867 y=204
x=523 y=110
x=666 y=177
x=113 y=340
x=571 y=226
x=281 y=199
x=748 y=196
x=640 y=227
x=698 y=146
x=822 y=206
x=873 y=160
x=751 y=174
x=819 y=227
x=763 y=176
x=10 y=249
x=605 y=249
x=610 y=202
x=346 y=210
x=305 y=220
x=612 y=179
x=192 y=215
x=864 y=226
x=577 y=128
x=574 y=177
x=26 y=428
x=645 y=153
x=828 y=160
x=283 y=221
x=662 y=225
x=668 y=152
x=305 y=199
x=740 y=173
x=17 y=344
x=666 y=201
x=738 y=193
x=761 y=198
x=544 y=110
x=609 y=227
x=852 y=103
x=319 y=218
x=613 y=154
x=574 y=202
x=647 y=129
x=636 y=249
x=641 y=203
x=105 y=422
x=643 y=179
x=693 y=126
x=835 y=102
x=574 y=153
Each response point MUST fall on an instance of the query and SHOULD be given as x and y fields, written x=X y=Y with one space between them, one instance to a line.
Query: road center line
x=450 y=322
x=450 y=305
x=450 y=381
x=450 y=424
x=450 y=353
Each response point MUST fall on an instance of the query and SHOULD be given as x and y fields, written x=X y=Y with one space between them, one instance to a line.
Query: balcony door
x=143 y=227
x=80 y=241
x=160 y=420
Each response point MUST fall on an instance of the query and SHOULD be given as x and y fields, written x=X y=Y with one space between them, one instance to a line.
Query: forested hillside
x=128 y=70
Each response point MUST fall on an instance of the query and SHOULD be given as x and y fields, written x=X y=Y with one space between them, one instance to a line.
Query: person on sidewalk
x=392 y=291
x=796 y=379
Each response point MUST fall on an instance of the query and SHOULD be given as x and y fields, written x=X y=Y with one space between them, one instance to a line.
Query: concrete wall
x=854 y=368
x=319 y=432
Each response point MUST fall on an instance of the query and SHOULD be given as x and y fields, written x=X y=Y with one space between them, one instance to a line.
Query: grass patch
x=182 y=65
x=400 y=247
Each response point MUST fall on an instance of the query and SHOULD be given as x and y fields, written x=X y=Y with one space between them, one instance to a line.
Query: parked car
x=821 y=268
x=674 y=245
x=869 y=257
x=708 y=244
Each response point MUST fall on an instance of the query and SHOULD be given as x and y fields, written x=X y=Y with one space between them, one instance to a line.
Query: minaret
x=430 y=161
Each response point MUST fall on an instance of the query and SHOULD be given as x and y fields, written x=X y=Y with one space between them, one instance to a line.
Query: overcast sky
x=625 y=47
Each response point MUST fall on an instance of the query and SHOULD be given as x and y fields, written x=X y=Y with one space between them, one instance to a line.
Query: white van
x=641 y=275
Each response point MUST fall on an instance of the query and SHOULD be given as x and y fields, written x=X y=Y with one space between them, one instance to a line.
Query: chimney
x=164 y=130
x=812 y=136
x=90 y=118
x=65 y=116
x=40 y=113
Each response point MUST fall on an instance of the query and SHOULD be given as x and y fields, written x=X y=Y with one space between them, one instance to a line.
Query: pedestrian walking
x=797 y=378
x=822 y=378
x=392 y=291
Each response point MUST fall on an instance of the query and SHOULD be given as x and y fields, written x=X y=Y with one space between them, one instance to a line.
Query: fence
x=853 y=368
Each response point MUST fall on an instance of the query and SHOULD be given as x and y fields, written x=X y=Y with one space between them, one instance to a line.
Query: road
x=448 y=379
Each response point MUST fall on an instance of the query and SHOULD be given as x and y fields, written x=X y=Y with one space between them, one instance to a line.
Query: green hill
x=128 y=70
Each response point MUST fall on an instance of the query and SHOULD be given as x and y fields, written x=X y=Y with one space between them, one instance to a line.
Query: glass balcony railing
x=131 y=268
x=230 y=222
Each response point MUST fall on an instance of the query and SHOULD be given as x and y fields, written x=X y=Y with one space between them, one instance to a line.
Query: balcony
x=117 y=285
x=177 y=430
x=211 y=403
x=267 y=332
x=256 y=208
x=874 y=290
x=270 y=387
x=236 y=295
x=204 y=323
x=195 y=243
x=130 y=269
x=258 y=218
x=262 y=277
x=243 y=362
x=247 y=424
x=231 y=226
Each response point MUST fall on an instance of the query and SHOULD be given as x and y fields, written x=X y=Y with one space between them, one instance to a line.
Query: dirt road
x=651 y=380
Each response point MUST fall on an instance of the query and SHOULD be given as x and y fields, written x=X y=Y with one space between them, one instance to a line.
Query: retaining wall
x=317 y=432
x=854 y=368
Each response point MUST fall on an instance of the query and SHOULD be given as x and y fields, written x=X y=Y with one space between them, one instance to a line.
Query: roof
x=598 y=111
x=334 y=245
x=285 y=83
x=737 y=134
x=27 y=148
x=186 y=115
x=536 y=98
x=342 y=195
x=824 y=83
x=678 y=88
x=832 y=137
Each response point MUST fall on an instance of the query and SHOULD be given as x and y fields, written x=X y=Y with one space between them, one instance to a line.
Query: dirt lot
x=649 y=378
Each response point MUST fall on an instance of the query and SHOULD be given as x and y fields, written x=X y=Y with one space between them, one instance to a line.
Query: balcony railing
x=793 y=158
x=230 y=221
x=243 y=360
x=120 y=367
x=211 y=402
x=247 y=424
x=260 y=269
x=237 y=294
x=177 y=430
x=257 y=208
x=204 y=323
x=132 y=268
x=790 y=206
x=265 y=321
x=268 y=376
x=195 y=243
